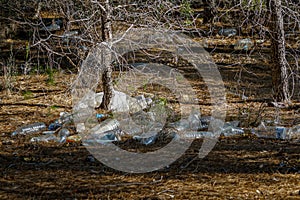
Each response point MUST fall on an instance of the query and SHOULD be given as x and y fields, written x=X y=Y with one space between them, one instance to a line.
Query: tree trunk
x=279 y=68
x=210 y=11
x=106 y=77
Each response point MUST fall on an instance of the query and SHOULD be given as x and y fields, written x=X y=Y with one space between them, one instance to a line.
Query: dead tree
x=279 y=63
x=106 y=77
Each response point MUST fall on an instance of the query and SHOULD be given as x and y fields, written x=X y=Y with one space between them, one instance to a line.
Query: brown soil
x=244 y=167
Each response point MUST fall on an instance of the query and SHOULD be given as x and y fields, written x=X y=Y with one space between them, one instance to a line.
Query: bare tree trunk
x=279 y=68
x=210 y=11
x=106 y=77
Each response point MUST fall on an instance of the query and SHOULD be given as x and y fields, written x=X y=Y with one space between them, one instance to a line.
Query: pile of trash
x=143 y=125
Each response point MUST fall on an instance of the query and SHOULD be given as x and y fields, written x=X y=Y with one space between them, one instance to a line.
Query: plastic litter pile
x=143 y=125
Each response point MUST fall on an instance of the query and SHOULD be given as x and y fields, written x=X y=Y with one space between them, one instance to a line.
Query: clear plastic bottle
x=63 y=134
x=231 y=128
x=105 y=138
x=146 y=140
x=228 y=32
x=197 y=135
x=230 y=131
x=65 y=118
x=106 y=125
x=44 y=138
x=243 y=44
x=294 y=133
x=275 y=132
x=54 y=126
x=194 y=120
x=30 y=128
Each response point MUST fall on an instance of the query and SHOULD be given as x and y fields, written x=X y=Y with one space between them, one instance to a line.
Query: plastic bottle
x=196 y=135
x=230 y=131
x=106 y=125
x=105 y=138
x=181 y=125
x=133 y=130
x=54 y=126
x=228 y=32
x=141 y=100
x=194 y=120
x=243 y=44
x=44 y=138
x=48 y=132
x=205 y=121
x=231 y=128
x=275 y=132
x=30 y=128
x=63 y=134
x=146 y=140
x=52 y=27
x=294 y=133
x=64 y=118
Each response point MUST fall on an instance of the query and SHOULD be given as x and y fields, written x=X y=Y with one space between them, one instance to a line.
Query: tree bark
x=106 y=77
x=279 y=68
x=210 y=11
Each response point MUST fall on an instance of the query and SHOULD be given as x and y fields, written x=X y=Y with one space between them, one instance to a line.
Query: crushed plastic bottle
x=197 y=135
x=106 y=125
x=185 y=124
x=64 y=118
x=294 y=133
x=181 y=125
x=275 y=132
x=230 y=131
x=63 y=134
x=227 y=32
x=48 y=132
x=146 y=140
x=52 y=27
x=194 y=119
x=105 y=138
x=30 y=128
x=44 y=138
x=54 y=126
x=205 y=120
x=133 y=130
x=69 y=35
x=193 y=123
x=231 y=128
x=243 y=44
x=141 y=101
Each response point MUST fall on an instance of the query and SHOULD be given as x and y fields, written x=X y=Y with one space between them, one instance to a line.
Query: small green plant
x=51 y=110
x=53 y=107
x=50 y=80
x=8 y=71
x=162 y=101
x=186 y=11
x=27 y=94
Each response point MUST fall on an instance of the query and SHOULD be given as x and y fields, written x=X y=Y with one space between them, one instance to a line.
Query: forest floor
x=242 y=167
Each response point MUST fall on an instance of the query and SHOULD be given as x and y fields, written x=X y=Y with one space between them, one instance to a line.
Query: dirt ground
x=243 y=167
